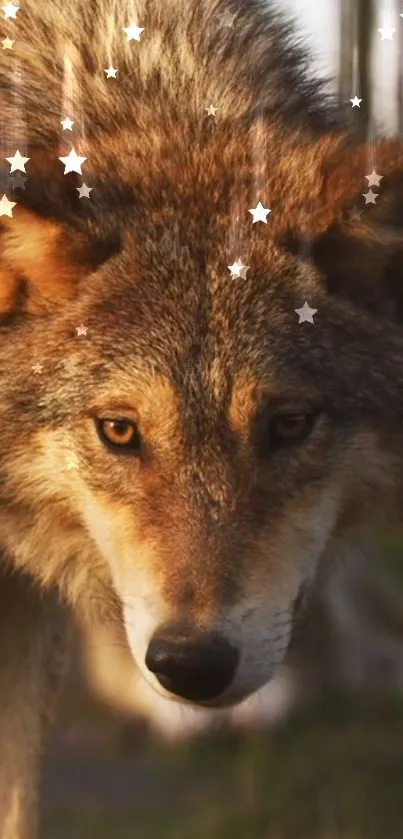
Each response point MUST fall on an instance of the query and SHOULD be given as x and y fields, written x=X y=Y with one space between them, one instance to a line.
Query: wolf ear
x=46 y=245
x=359 y=246
x=41 y=262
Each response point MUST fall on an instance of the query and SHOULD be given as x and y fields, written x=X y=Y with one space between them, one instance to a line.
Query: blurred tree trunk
x=400 y=72
x=366 y=22
x=346 y=58
x=357 y=19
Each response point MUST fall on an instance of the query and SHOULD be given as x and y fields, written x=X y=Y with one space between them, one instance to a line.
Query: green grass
x=334 y=771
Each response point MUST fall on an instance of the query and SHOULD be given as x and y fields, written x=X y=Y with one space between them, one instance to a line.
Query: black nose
x=195 y=665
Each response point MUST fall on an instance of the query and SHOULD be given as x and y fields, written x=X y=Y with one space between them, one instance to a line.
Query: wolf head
x=174 y=440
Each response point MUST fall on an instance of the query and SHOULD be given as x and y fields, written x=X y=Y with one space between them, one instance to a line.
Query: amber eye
x=291 y=428
x=119 y=434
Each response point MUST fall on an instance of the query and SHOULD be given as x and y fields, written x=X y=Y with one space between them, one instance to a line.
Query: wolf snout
x=195 y=665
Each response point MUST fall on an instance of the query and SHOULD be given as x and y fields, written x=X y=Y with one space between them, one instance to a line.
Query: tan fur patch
x=244 y=401
x=38 y=252
x=157 y=402
x=8 y=289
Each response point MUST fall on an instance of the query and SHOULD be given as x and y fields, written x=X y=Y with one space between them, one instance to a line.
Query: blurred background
x=318 y=754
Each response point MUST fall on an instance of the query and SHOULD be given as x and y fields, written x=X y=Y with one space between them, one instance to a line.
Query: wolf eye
x=291 y=428
x=119 y=434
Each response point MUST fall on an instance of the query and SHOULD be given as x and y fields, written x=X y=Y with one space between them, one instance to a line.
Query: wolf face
x=189 y=448
x=182 y=450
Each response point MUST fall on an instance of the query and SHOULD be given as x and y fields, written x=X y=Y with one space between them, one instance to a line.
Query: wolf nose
x=194 y=666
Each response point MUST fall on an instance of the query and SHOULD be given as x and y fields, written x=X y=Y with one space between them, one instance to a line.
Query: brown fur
x=212 y=525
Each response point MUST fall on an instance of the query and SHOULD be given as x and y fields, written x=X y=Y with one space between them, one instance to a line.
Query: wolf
x=200 y=359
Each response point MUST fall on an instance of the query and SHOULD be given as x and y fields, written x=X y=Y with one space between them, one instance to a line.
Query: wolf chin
x=178 y=452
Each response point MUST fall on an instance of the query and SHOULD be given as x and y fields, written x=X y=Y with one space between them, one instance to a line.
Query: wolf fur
x=349 y=639
x=215 y=525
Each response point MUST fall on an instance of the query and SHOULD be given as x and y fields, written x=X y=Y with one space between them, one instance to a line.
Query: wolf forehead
x=176 y=301
x=187 y=319
x=157 y=315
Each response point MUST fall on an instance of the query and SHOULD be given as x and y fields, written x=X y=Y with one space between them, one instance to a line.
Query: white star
x=66 y=124
x=133 y=32
x=226 y=18
x=37 y=368
x=305 y=313
x=6 y=207
x=211 y=110
x=81 y=330
x=370 y=197
x=387 y=33
x=73 y=162
x=84 y=191
x=17 y=162
x=238 y=269
x=7 y=44
x=355 y=214
x=111 y=72
x=10 y=10
x=356 y=102
x=374 y=179
x=259 y=213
